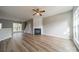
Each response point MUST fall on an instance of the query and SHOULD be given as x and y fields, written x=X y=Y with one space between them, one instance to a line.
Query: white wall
x=38 y=23
x=5 y=33
x=58 y=25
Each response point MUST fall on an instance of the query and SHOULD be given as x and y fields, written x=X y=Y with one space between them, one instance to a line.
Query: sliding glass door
x=17 y=27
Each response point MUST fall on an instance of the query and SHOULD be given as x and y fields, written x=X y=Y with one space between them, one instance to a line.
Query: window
x=17 y=27
x=0 y=25
x=76 y=25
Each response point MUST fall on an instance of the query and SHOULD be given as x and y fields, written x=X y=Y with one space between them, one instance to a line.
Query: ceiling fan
x=38 y=11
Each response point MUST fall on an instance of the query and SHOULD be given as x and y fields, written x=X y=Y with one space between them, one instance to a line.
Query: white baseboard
x=56 y=36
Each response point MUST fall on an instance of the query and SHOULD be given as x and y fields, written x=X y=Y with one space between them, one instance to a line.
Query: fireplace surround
x=37 y=31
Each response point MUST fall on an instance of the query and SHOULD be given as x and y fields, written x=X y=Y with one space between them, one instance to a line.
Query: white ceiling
x=23 y=13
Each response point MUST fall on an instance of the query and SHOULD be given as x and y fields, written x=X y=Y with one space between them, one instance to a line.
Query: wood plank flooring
x=36 y=43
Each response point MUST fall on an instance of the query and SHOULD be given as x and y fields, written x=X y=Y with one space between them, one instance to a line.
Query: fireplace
x=37 y=31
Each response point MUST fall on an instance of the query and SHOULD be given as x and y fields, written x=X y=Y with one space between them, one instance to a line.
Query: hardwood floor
x=36 y=43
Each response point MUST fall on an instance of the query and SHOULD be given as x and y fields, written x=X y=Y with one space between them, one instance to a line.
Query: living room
x=39 y=29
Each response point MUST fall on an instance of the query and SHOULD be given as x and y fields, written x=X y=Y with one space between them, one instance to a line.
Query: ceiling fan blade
x=42 y=11
x=37 y=9
x=40 y=14
x=34 y=13
x=34 y=10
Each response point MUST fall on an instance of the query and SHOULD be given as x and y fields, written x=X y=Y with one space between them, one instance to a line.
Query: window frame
x=17 y=27
x=0 y=25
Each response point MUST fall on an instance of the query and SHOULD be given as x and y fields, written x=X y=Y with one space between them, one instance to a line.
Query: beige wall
x=59 y=25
